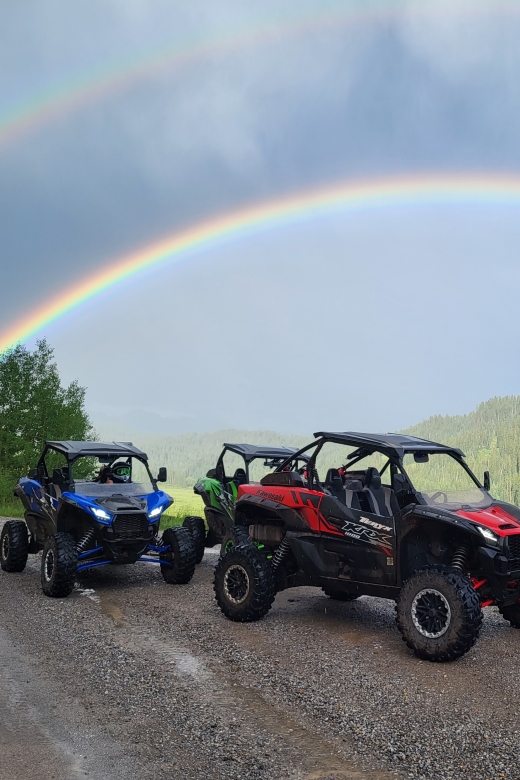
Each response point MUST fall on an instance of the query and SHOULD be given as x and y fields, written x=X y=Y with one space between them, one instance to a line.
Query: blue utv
x=88 y=504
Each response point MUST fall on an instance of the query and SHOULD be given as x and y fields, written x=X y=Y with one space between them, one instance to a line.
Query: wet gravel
x=132 y=677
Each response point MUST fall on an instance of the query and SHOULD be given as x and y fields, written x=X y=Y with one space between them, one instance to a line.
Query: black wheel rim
x=5 y=547
x=431 y=613
x=236 y=584
x=48 y=565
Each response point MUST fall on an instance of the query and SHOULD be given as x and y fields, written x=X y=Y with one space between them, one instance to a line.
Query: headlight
x=155 y=512
x=487 y=534
x=100 y=513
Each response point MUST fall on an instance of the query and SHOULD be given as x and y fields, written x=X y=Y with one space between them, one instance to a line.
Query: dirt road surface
x=133 y=678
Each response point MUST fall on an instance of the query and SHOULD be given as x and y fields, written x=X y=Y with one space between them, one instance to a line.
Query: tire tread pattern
x=466 y=633
x=66 y=563
x=238 y=535
x=197 y=529
x=182 y=555
x=18 y=546
x=263 y=590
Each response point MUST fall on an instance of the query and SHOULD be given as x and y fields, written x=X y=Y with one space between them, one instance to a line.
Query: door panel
x=368 y=541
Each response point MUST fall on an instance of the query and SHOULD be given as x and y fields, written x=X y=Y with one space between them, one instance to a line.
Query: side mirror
x=33 y=474
x=421 y=457
x=487 y=480
x=162 y=475
x=212 y=474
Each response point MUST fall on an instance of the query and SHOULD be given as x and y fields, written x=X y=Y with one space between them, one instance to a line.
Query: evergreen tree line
x=35 y=407
x=488 y=436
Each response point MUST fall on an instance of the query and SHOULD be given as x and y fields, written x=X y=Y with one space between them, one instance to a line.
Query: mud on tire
x=14 y=546
x=244 y=584
x=180 y=556
x=439 y=613
x=237 y=534
x=198 y=531
x=59 y=564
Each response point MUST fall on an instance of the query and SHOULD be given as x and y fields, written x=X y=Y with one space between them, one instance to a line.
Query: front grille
x=129 y=526
x=514 y=552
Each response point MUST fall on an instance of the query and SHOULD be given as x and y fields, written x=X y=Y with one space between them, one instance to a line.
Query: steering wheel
x=440 y=493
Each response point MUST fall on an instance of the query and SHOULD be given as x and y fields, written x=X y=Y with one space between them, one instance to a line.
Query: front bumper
x=128 y=537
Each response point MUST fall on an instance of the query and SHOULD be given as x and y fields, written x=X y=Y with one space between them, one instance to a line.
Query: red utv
x=380 y=515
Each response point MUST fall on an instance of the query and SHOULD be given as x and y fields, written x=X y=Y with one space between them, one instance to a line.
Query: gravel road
x=132 y=678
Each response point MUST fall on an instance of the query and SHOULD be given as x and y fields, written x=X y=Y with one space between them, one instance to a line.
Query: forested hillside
x=188 y=456
x=489 y=436
x=490 y=439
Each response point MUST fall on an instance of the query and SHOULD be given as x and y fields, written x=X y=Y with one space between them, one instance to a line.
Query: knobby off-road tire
x=14 y=546
x=244 y=584
x=181 y=555
x=339 y=595
x=511 y=613
x=198 y=531
x=59 y=564
x=439 y=613
x=237 y=534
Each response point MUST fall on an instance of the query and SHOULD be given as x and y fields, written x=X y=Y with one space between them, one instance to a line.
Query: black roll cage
x=364 y=450
x=248 y=456
x=72 y=457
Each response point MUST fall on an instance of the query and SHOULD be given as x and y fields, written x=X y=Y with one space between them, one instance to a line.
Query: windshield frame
x=129 y=456
x=449 y=504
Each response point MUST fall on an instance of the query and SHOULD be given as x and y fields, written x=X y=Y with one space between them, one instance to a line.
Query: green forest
x=488 y=436
x=188 y=456
x=490 y=439
x=34 y=407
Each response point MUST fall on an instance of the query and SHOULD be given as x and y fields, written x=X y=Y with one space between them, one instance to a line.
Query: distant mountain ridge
x=188 y=456
x=489 y=436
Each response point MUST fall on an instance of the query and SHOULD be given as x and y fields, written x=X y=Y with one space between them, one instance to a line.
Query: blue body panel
x=38 y=502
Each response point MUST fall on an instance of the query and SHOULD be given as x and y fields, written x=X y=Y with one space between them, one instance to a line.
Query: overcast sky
x=371 y=320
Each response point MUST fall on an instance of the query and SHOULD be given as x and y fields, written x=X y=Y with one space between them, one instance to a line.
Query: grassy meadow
x=185 y=503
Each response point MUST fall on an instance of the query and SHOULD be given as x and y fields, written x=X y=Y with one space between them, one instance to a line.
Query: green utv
x=238 y=464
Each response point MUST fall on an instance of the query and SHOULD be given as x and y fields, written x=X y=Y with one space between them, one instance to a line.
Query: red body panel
x=307 y=502
x=493 y=518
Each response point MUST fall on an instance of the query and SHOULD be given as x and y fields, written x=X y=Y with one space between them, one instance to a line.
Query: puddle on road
x=111 y=610
x=318 y=757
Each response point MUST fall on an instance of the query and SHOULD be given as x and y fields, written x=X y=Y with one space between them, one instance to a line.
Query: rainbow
x=53 y=104
x=343 y=198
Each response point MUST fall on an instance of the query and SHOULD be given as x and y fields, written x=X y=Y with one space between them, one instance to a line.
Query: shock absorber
x=88 y=540
x=280 y=554
x=460 y=557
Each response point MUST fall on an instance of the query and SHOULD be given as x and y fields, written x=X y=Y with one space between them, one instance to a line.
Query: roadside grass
x=12 y=508
x=185 y=502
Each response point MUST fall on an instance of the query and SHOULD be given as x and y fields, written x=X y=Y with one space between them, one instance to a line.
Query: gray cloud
x=401 y=95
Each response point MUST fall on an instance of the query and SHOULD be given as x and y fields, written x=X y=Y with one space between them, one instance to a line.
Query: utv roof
x=74 y=449
x=251 y=451
x=392 y=443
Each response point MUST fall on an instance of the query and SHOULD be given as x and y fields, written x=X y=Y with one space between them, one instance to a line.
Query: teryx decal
x=368 y=531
